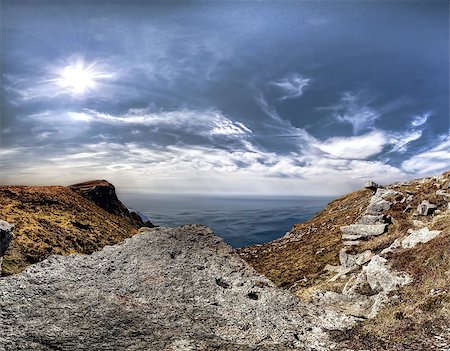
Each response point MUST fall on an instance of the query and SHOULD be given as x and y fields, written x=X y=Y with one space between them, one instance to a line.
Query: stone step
x=358 y=231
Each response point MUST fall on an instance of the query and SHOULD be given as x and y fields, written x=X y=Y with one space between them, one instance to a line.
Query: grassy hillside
x=55 y=220
x=417 y=316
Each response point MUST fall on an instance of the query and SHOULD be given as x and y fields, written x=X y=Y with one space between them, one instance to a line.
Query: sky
x=230 y=97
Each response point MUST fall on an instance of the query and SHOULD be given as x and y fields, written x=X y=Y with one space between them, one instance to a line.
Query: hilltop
x=48 y=220
x=381 y=255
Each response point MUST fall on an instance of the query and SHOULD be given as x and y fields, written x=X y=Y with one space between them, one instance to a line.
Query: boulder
x=6 y=235
x=426 y=208
x=372 y=219
x=380 y=277
x=360 y=231
x=348 y=261
x=415 y=237
x=162 y=289
x=371 y=185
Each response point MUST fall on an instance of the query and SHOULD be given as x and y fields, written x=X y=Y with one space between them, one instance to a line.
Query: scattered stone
x=6 y=236
x=371 y=185
x=351 y=242
x=425 y=208
x=360 y=231
x=442 y=193
x=348 y=261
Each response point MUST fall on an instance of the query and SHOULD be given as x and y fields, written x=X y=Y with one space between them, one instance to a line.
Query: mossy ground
x=55 y=220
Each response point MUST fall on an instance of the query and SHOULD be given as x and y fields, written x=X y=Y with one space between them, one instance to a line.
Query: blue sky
x=289 y=97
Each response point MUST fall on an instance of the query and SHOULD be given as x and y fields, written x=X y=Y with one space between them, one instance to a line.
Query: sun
x=78 y=77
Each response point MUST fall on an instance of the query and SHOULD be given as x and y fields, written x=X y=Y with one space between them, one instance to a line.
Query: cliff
x=163 y=289
x=48 y=220
x=380 y=254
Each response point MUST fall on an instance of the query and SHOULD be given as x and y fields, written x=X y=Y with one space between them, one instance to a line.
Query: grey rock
x=380 y=277
x=372 y=219
x=359 y=231
x=371 y=185
x=415 y=237
x=163 y=289
x=6 y=236
x=348 y=260
x=425 y=208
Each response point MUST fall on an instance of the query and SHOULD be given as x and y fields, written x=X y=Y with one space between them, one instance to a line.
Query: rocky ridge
x=380 y=255
x=163 y=289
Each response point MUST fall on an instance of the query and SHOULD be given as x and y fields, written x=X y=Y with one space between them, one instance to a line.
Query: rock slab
x=163 y=289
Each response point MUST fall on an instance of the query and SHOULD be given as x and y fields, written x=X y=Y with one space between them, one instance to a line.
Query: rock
x=442 y=193
x=6 y=236
x=371 y=185
x=359 y=231
x=372 y=219
x=425 y=208
x=103 y=194
x=380 y=277
x=358 y=306
x=348 y=261
x=163 y=289
x=415 y=237
x=140 y=219
x=377 y=206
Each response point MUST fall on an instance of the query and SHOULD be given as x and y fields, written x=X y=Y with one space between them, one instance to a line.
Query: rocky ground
x=163 y=289
x=381 y=255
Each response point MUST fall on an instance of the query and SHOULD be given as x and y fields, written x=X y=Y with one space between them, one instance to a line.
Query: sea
x=240 y=221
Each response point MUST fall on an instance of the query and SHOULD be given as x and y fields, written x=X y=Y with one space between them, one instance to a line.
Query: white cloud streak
x=292 y=86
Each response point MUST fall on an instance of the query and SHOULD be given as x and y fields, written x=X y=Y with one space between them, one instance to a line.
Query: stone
x=425 y=208
x=380 y=277
x=372 y=219
x=6 y=236
x=348 y=261
x=378 y=206
x=415 y=237
x=138 y=296
x=360 y=231
x=442 y=193
x=371 y=185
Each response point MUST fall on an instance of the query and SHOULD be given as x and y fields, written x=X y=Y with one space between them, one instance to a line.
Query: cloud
x=352 y=110
x=431 y=161
x=401 y=140
x=292 y=86
x=420 y=119
x=208 y=123
x=357 y=147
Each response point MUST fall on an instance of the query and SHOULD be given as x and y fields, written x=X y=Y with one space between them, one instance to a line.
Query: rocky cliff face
x=381 y=255
x=163 y=289
x=103 y=194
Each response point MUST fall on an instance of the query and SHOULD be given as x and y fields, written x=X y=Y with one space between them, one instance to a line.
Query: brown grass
x=55 y=220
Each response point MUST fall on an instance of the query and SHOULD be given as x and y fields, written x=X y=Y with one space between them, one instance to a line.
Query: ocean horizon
x=239 y=220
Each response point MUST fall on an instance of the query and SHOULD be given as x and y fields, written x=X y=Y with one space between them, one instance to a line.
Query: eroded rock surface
x=163 y=289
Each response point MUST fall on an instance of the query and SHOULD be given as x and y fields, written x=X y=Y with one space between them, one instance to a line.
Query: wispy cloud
x=420 y=119
x=352 y=109
x=433 y=160
x=292 y=86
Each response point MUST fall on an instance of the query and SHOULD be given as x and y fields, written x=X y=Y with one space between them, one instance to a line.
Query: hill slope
x=382 y=255
x=56 y=220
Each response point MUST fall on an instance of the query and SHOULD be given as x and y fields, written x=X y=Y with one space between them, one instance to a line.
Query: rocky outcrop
x=163 y=289
x=103 y=194
x=6 y=236
x=425 y=208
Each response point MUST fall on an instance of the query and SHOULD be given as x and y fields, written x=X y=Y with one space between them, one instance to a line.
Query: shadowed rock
x=6 y=236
